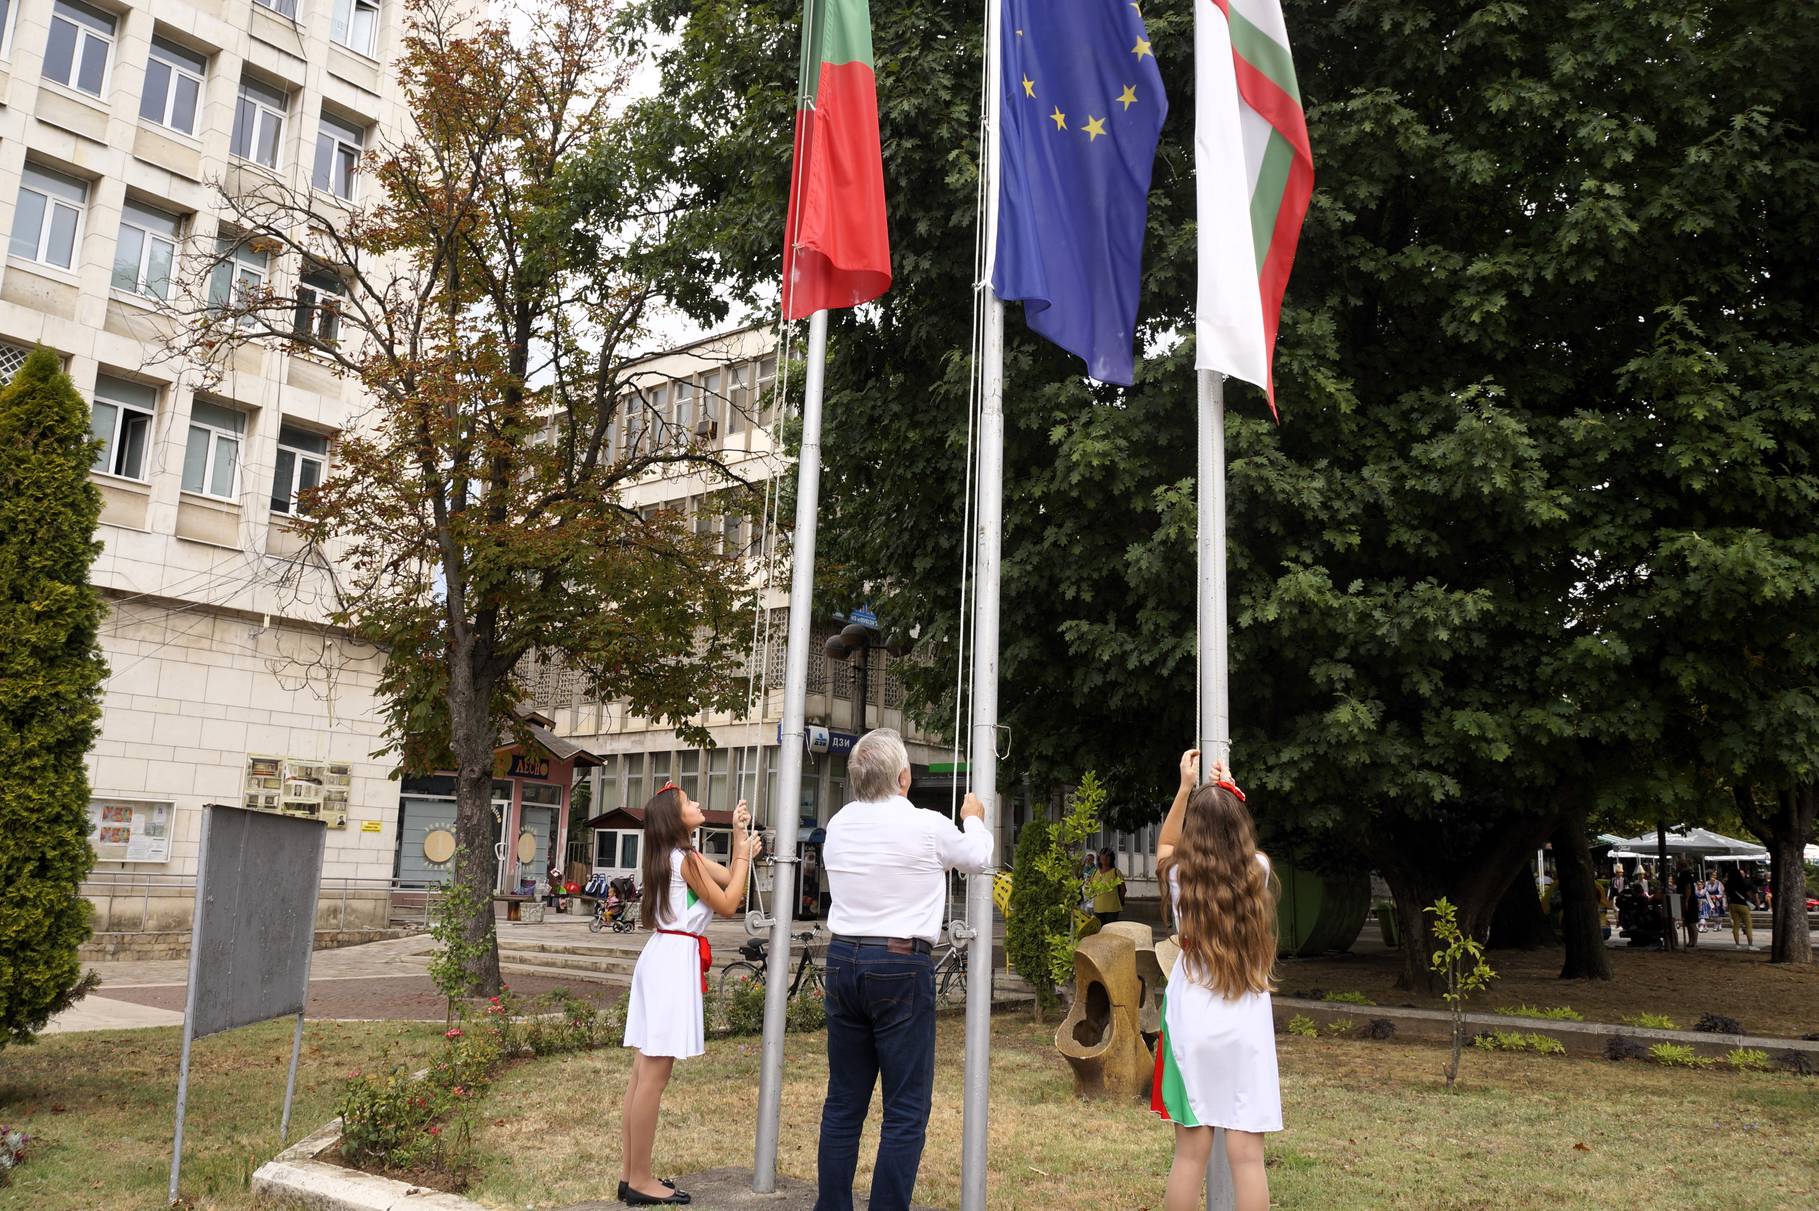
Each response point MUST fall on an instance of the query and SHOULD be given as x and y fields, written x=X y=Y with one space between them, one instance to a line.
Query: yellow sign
x=372 y=826
x=1001 y=894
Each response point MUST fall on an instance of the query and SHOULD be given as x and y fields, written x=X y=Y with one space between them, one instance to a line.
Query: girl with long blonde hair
x=1216 y=1059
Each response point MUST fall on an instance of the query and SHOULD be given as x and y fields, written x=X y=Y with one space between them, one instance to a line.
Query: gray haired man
x=887 y=862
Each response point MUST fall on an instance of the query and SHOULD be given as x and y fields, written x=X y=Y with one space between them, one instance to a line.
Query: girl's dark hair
x=663 y=832
x=1106 y=859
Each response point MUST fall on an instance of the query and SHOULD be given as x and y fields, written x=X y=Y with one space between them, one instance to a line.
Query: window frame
x=147 y=236
x=334 y=147
x=9 y=15
x=214 y=436
x=45 y=224
x=248 y=94
x=229 y=261
x=111 y=449
x=85 y=32
x=299 y=455
x=353 y=7
x=278 y=7
x=170 y=55
x=326 y=326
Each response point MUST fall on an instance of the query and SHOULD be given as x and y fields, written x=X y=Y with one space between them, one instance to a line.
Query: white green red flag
x=1255 y=173
x=836 y=249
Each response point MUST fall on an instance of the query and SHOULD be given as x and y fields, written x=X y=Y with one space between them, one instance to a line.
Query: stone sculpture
x=1102 y=1037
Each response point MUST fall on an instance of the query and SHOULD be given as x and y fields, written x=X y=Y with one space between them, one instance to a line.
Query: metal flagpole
x=1215 y=712
x=982 y=755
x=189 y=1006
x=788 y=806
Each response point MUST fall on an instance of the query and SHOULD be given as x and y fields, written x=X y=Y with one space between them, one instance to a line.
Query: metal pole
x=982 y=754
x=789 y=750
x=189 y=1002
x=1215 y=674
x=290 y=1082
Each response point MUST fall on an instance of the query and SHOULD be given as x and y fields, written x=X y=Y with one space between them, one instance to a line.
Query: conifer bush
x=50 y=688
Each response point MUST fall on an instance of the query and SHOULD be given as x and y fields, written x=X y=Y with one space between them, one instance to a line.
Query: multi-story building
x=122 y=119
x=721 y=391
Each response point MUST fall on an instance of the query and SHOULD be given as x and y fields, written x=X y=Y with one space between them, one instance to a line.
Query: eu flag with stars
x=1081 y=113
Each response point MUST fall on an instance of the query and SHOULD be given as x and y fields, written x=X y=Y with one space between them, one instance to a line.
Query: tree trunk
x=474 y=738
x=1411 y=898
x=1791 y=825
x=1519 y=922
x=1581 y=913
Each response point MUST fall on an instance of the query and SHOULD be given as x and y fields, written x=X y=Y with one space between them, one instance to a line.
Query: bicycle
x=756 y=963
x=950 y=975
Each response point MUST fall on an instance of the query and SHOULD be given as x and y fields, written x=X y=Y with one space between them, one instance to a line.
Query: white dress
x=663 y=1014
x=1216 y=1059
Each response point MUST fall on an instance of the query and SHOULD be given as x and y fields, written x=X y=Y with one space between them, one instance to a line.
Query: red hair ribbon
x=671 y=786
x=1229 y=785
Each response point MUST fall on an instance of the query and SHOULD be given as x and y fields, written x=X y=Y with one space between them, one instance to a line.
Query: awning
x=1686 y=843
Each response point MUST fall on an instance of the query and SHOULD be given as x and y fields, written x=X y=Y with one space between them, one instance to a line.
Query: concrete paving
x=731 y=1190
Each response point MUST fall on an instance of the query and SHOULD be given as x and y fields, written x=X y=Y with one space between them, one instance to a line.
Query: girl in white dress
x=683 y=891
x=1216 y=1059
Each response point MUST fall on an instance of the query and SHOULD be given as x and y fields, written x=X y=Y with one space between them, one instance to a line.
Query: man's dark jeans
x=880 y=1024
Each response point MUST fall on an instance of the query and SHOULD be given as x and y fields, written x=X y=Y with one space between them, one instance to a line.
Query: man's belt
x=902 y=946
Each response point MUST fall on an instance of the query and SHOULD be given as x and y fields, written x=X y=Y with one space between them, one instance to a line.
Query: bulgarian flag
x=836 y=252
x=1254 y=173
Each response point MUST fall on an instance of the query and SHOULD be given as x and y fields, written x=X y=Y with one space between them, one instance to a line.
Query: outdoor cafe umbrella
x=1686 y=843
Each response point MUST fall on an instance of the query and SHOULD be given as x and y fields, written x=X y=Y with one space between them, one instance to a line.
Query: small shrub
x=1623 y=1047
x=1347 y=998
x=12 y=1151
x=1302 y=1027
x=1677 y=1055
x=1649 y=1021
x=1717 y=1023
x=1747 y=1059
x=1516 y=1040
x=1460 y=959
x=1380 y=1028
x=1546 y=1013
x=1339 y=1026
x=742 y=1007
x=807 y=1011
x=1797 y=1062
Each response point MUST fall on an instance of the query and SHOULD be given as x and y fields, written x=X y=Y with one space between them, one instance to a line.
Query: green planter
x=1320 y=913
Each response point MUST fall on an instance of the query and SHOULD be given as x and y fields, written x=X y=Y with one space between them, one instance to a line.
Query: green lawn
x=1370 y=1125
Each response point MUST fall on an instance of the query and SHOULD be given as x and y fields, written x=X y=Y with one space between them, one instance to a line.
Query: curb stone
x=295 y=1178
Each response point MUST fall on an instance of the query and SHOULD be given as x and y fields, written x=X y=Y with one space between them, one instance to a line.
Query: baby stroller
x=613 y=901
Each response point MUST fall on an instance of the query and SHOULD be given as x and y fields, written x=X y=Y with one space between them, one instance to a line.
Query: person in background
x=1108 y=889
x=1688 y=888
x=1740 y=895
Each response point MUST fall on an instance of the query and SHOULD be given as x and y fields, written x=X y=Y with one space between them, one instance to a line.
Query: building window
x=319 y=295
x=302 y=457
x=634 y=780
x=259 y=122
x=48 y=221
x=684 y=430
x=688 y=772
x=173 y=86
x=284 y=8
x=212 y=458
x=719 y=770
x=739 y=401
x=337 y=156
x=356 y=25
x=76 y=54
x=7 y=10
x=146 y=250
x=122 y=423
x=239 y=276
x=767 y=379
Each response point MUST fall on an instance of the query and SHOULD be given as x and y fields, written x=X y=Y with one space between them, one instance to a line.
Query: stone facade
x=117 y=132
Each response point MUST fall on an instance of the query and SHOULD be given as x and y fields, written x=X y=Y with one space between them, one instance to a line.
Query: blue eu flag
x=1081 y=112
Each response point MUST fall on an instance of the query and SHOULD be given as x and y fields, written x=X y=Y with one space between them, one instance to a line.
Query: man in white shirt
x=886 y=862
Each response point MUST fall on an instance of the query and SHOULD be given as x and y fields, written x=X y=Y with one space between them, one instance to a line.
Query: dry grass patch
x=101 y=1106
x=1773 y=999
x=1370 y=1126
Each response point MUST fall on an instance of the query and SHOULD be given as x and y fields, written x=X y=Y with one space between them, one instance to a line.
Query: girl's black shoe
x=633 y=1198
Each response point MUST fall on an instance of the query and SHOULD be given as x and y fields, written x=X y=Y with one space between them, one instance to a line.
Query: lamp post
x=856 y=639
